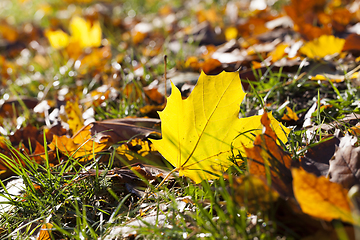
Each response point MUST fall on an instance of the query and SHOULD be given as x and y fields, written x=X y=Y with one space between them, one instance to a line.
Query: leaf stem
x=166 y=177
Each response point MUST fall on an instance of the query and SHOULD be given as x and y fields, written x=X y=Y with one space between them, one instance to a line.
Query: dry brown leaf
x=345 y=166
x=118 y=130
x=212 y=66
x=8 y=32
x=316 y=159
x=13 y=107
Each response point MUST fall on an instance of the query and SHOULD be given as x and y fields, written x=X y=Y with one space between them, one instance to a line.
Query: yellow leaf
x=278 y=52
x=82 y=32
x=323 y=46
x=197 y=133
x=231 y=33
x=321 y=198
x=58 y=39
x=74 y=115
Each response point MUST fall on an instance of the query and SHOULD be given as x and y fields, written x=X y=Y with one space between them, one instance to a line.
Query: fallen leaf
x=198 y=132
x=45 y=232
x=316 y=159
x=95 y=60
x=352 y=43
x=151 y=110
x=304 y=14
x=58 y=39
x=138 y=37
x=323 y=46
x=119 y=130
x=211 y=66
x=153 y=95
x=279 y=52
x=345 y=165
x=211 y=15
x=231 y=33
x=139 y=150
x=74 y=115
x=193 y=63
x=252 y=192
x=13 y=107
x=266 y=159
x=290 y=115
x=8 y=32
x=87 y=34
x=80 y=146
x=321 y=198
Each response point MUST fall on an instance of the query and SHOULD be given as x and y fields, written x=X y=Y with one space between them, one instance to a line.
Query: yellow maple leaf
x=83 y=34
x=323 y=46
x=82 y=31
x=58 y=39
x=197 y=133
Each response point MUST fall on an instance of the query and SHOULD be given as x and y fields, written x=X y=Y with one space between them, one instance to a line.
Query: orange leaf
x=352 y=43
x=321 y=198
x=278 y=52
x=81 y=146
x=210 y=65
x=8 y=32
x=45 y=232
x=267 y=158
x=290 y=115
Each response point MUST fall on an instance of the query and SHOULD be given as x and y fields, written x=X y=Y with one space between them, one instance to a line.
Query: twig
x=165 y=65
